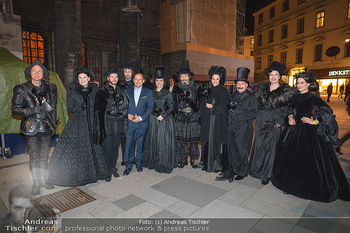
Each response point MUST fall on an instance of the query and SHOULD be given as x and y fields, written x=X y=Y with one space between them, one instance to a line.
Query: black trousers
x=329 y=96
x=111 y=146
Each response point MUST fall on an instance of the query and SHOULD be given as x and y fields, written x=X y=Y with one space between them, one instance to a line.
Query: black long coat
x=221 y=97
x=240 y=132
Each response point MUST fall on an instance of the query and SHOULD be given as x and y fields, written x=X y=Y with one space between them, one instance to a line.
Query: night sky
x=252 y=6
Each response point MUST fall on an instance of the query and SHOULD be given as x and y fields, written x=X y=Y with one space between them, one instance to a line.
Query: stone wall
x=11 y=33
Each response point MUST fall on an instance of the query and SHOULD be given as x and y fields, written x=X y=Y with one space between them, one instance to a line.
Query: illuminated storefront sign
x=338 y=72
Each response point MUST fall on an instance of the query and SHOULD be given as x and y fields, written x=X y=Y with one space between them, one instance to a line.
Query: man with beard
x=127 y=70
x=186 y=116
x=111 y=110
x=35 y=101
x=243 y=110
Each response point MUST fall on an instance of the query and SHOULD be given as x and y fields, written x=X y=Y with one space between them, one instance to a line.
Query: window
x=251 y=53
x=320 y=19
x=348 y=9
x=284 y=58
x=33 y=47
x=269 y=60
x=347 y=48
x=272 y=12
x=300 y=1
x=285 y=5
x=83 y=55
x=300 y=26
x=258 y=63
x=284 y=31
x=271 y=33
x=299 y=57
x=259 y=39
x=318 y=52
x=252 y=41
x=261 y=16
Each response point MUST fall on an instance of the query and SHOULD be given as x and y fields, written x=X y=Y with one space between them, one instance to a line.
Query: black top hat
x=278 y=67
x=36 y=62
x=242 y=74
x=160 y=73
x=219 y=70
x=185 y=68
x=114 y=71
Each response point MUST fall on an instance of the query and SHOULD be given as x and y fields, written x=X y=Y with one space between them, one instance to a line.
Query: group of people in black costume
x=295 y=131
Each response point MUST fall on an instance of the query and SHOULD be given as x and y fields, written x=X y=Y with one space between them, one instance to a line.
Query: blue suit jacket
x=144 y=106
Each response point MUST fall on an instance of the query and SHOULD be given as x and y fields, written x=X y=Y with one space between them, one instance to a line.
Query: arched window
x=33 y=47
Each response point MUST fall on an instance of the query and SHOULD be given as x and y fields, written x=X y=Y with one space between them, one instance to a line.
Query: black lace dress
x=306 y=165
x=76 y=160
x=160 y=148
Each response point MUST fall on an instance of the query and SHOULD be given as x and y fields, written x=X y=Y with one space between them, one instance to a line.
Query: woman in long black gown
x=76 y=160
x=214 y=121
x=272 y=96
x=306 y=164
x=160 y=148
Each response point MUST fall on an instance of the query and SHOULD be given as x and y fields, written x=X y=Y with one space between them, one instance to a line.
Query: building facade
x=304 y=35
x=66 y=34
x=205 y=32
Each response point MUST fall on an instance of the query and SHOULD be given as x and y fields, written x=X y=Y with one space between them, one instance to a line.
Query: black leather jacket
x=185 y=98
x=36 y=117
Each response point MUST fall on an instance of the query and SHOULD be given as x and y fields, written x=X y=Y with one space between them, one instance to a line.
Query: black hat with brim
x=36 y=62
x=278 y=67
x=134 y=65
x=105 y=75
x=185 y=68
x=242 y=74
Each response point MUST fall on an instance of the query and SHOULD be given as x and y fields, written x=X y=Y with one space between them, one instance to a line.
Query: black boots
x=193 y=164
x=183 y=162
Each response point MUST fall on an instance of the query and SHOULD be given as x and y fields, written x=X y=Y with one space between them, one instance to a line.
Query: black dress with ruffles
x=160 y=145
x=306 y=165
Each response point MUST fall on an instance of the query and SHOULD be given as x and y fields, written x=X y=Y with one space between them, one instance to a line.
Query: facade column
x=67 y=38
x=129 y=32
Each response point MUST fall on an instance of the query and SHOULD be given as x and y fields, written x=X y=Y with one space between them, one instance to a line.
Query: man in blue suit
x=140 y=107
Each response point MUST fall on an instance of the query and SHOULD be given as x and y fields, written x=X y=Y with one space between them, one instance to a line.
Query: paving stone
x=270 y=209
x=324 y=224
x=129 y=202
x=157 y=198
x=183 y=209
x=238 y=195
x=273 y=195
x=165 y=214
x=337 y=208
x=144 y=210
x=189 y=190
x=298 y=229
x=274 y=225
x=221 y=209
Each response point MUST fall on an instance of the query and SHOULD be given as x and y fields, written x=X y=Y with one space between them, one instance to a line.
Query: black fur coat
x=275 y=99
